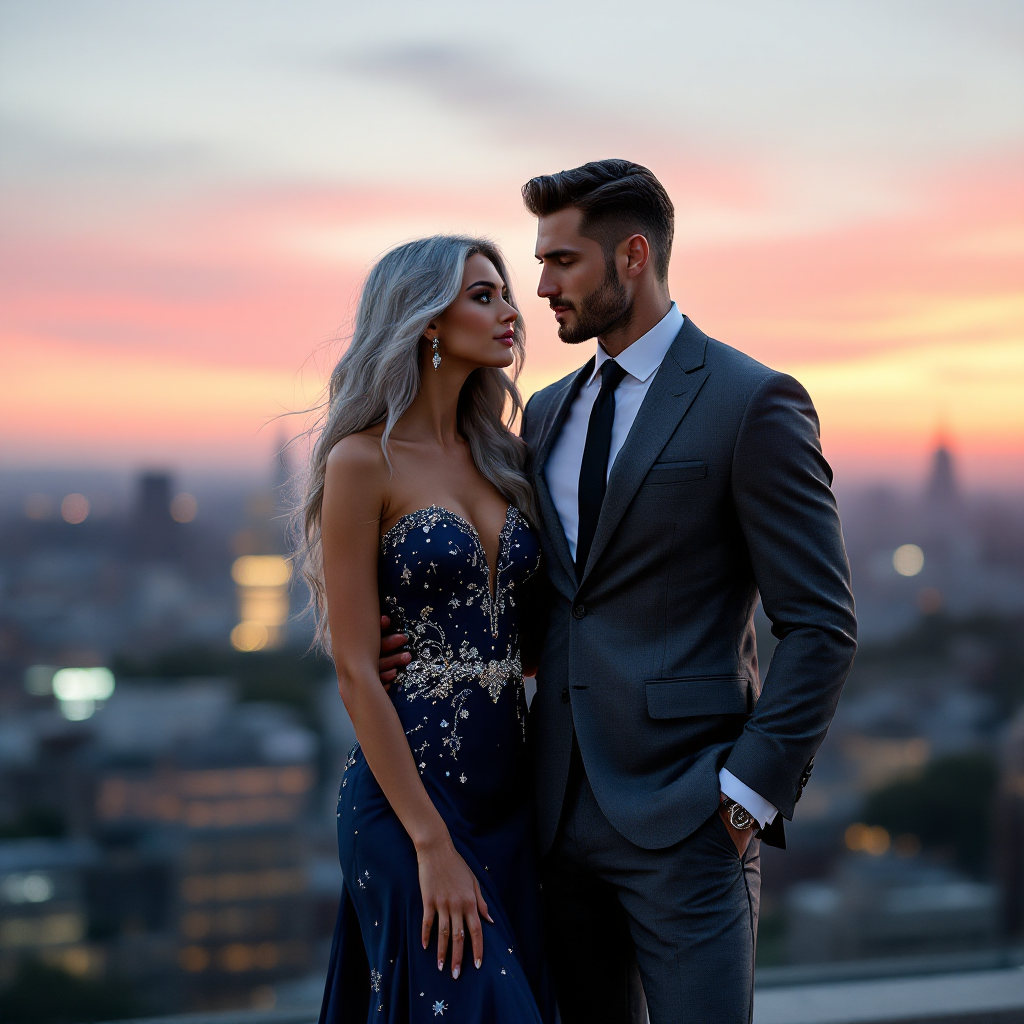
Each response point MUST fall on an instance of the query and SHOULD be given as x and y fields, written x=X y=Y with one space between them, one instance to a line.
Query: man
x=677 y=479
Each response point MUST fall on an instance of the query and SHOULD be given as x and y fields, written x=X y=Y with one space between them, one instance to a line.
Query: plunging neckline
x=492 y=585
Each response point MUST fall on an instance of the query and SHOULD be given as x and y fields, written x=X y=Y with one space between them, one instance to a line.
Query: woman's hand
x=451 y=893
x=393 y=656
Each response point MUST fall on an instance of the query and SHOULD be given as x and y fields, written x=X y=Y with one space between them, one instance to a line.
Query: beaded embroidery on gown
x=462 y=704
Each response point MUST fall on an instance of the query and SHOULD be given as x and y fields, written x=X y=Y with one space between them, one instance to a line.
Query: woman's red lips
x=509 y=335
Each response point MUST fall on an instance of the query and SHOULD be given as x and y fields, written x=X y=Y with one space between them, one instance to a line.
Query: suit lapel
x=550 y=431
x=675 y=386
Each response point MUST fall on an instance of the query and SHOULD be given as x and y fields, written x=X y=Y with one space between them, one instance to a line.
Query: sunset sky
x=191 y=192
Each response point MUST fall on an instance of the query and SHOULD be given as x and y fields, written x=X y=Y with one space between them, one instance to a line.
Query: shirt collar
x=646 y=354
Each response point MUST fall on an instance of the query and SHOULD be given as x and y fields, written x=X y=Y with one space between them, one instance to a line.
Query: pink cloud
x=230 y=295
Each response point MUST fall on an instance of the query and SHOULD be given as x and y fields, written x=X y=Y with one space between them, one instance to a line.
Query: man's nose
x=546 y=288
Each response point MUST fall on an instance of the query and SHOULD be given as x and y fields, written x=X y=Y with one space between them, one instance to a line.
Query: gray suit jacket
x=719 y=492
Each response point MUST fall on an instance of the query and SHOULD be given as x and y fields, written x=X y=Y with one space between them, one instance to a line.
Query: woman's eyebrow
x=486 y=284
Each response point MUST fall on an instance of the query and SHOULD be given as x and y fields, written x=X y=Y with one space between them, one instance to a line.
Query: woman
x=416 y=508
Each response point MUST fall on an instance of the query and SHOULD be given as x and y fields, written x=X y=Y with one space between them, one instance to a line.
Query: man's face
x=580 y=284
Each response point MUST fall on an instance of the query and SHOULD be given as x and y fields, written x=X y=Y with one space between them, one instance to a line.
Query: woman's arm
x=354 y=496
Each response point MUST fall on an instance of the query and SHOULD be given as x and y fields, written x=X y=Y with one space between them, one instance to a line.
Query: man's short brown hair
x=617 y=198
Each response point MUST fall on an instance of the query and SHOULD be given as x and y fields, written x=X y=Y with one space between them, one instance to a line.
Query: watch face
x=739 y=817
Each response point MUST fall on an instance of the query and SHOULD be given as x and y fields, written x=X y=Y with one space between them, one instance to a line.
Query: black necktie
x=594 y=471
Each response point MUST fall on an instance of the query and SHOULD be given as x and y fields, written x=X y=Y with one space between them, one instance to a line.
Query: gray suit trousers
x=681 y=921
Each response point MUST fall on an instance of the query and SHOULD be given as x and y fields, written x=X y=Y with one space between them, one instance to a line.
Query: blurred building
x=1009 y=867
x=225 y=798
x=156 y=532
x=236 y=909
x=44 y=909
x=884 y=906
x=188 y=874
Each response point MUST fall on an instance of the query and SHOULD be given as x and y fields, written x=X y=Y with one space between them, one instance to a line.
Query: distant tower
x=155 y=531
x=942 y=490
x=942 y=506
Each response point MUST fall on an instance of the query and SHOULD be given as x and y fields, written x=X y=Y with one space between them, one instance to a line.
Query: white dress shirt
x=562 y=472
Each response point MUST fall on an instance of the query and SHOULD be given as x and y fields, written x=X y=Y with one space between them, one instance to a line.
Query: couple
x=607 y=839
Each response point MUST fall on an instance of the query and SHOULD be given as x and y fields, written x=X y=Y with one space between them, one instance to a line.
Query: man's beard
x=604 y=310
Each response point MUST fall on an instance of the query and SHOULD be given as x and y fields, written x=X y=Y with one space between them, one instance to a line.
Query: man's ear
x=638 y=254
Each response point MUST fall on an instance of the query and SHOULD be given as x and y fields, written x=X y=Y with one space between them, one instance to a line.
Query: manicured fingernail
x=455 y=971
x=440 y=965
x=477 y=963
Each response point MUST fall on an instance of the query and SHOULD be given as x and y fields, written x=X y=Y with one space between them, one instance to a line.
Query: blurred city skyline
x=192 y=194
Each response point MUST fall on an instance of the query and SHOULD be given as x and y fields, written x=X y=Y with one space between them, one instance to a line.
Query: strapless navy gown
x=462 y=705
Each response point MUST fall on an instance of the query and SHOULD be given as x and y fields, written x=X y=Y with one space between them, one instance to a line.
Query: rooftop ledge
x=974 y=988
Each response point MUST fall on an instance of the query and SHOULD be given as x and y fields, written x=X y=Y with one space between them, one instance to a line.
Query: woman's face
x=476 y=329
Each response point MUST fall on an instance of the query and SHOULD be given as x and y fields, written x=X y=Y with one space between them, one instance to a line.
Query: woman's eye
x=484 y=297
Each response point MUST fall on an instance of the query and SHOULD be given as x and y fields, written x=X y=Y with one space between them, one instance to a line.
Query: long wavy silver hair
x=377 y=378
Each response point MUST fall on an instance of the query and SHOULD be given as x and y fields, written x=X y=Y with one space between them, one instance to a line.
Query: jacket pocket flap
x=697 y=695
x=672 y=472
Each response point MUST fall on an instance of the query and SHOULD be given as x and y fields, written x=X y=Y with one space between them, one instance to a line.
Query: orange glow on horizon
x=184 y=336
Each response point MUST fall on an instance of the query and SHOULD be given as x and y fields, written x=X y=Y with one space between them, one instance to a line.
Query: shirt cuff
x=762 y=811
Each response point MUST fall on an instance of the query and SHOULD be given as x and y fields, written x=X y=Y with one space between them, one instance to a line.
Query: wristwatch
x=739 y=817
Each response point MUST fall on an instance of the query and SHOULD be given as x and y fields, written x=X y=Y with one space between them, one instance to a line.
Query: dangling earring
x=436 y=359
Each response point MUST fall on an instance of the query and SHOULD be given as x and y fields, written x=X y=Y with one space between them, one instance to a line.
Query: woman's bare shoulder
x=358 y=458
x=360 y=451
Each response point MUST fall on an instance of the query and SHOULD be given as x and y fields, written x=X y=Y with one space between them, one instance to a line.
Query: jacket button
x=565 y=695
x=579 y=611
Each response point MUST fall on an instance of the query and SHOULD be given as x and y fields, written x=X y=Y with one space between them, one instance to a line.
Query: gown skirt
x=462 y=705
